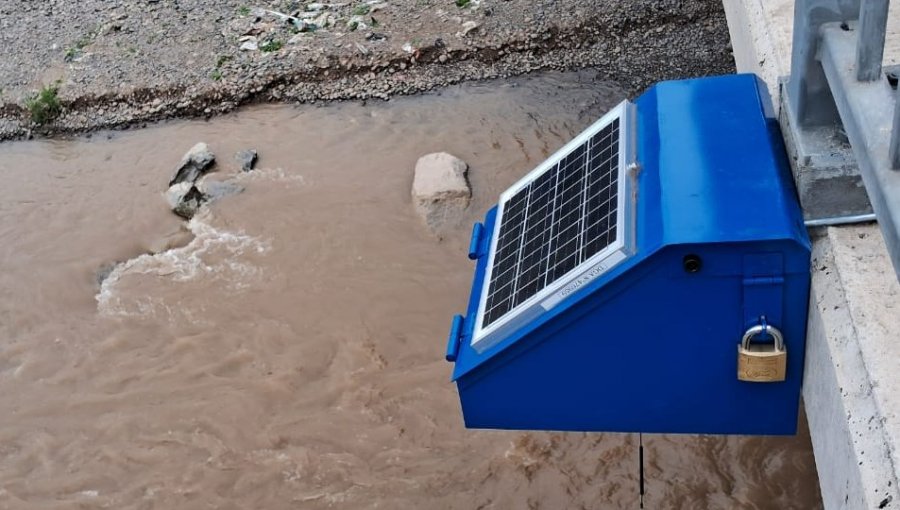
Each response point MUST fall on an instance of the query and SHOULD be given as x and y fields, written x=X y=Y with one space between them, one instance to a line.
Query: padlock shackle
x=761 y=329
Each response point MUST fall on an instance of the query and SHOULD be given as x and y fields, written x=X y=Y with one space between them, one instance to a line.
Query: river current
x=284 y=349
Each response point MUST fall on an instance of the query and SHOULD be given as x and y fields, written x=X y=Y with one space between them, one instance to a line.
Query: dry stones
x=440 y=190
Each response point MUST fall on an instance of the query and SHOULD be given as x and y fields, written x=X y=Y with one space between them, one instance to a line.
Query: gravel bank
x=127 y=62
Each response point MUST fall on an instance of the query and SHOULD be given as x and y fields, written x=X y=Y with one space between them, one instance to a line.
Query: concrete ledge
x=848 y=391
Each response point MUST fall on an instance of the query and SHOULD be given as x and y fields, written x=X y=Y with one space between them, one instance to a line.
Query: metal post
x=811 y=103
x=870 y=45
x=895 y=134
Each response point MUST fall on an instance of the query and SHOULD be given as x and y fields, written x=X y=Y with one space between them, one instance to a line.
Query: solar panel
x=559 y=227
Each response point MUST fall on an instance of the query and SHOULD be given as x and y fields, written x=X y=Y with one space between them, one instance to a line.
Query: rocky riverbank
x=127 y=62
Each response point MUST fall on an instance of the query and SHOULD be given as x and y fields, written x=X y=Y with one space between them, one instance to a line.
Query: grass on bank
x=270 y=46
x=44 y=106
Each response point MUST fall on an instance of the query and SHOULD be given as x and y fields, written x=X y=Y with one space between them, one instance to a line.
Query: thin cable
x=641 y=464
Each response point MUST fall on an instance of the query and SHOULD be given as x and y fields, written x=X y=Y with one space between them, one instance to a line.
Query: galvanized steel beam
x=870 y=47
x=867 y=111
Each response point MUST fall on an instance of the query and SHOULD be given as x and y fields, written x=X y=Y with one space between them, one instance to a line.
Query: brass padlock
x=762 y=362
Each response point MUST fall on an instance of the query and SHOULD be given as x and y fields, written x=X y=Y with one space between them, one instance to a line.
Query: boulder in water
x=247 y=159
x=194 y=164
x=185 y=199
x=440 y=190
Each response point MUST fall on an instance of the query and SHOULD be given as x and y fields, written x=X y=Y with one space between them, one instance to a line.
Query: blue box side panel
x=659 y=357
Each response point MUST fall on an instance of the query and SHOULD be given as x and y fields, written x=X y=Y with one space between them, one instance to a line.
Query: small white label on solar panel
x=564 y=224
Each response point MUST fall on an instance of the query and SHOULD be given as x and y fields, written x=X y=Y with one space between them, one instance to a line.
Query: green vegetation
x=269 y=46
x=462 y=3
x=74 y=51
x=353 y=25
x=361 y=10
x=44 y=106
x=216 y=73
x=243 y=10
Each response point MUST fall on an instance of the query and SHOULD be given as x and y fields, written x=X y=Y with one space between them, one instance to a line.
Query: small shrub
x=462 y=3
x=361 y=10
x=77 y=49
x=44 y=106
x=269 y=46
x=216 y=75
x=243 y=11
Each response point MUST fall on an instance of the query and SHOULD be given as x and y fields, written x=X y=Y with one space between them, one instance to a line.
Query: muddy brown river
x=284 y=349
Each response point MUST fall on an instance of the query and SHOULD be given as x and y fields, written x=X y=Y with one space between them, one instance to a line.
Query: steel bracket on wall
x=839 y=115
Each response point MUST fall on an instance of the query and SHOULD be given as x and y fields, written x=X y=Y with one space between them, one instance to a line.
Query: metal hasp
x=840 y=114
x=718 y=247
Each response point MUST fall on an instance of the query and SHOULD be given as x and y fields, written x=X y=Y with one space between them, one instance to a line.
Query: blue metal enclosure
x=716 y=245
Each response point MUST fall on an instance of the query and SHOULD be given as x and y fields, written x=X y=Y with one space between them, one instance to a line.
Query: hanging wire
x=641 y=465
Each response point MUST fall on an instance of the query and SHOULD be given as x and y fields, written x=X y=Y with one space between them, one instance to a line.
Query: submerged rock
x=440 y=190
x=194 y=164
x=214 y=190
x=104 y=271
x=176 y=239
x=247 y=159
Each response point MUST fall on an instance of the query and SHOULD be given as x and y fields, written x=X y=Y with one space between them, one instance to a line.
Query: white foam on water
x=269 y=174
x=213 y=252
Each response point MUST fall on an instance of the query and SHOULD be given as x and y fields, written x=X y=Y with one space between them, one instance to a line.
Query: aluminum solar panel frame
x=643 y=335
x=563 y=224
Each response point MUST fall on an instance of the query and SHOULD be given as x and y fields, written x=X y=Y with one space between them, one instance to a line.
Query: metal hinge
x=455 y=339
x=763 y=288
x=476 y=244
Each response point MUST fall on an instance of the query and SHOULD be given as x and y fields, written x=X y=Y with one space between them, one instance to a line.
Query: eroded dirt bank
x=127 y=62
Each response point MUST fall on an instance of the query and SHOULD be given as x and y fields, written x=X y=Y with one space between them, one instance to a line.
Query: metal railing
x=837 y=81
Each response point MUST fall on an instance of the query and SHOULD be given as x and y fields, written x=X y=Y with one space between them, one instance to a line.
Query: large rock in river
x=185 y=199
x=440 y=190
x=247 y=159
x=194 y=164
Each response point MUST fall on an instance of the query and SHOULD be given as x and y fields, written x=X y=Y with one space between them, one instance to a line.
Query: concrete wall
x=851 y=386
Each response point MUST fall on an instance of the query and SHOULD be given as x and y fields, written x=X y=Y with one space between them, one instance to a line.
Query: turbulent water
x=284 y=348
